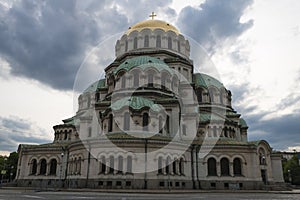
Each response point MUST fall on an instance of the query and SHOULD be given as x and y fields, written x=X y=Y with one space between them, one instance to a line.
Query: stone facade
x=152 y=124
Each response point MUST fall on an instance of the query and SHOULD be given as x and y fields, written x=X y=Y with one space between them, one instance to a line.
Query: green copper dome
x=143 y=62
x=94 y=86
x=203 y=80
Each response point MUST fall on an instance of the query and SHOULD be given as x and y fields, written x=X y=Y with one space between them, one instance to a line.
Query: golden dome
x=152 y=24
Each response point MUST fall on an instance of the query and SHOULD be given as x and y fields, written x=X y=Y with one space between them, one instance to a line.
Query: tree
x=291 y=170
x=8 y=165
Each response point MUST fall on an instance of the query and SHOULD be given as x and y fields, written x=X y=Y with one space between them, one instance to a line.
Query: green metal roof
x=204 y=80
x=243 y=123
x=136 y=103
x=143 y=62
x=97 y=84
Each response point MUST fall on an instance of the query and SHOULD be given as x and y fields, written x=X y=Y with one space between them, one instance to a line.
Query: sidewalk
x=26 y=189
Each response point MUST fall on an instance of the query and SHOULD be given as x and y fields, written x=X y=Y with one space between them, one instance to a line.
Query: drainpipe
x=192 y=166
x=197 y=166
x=88 y=167
x=146 y=159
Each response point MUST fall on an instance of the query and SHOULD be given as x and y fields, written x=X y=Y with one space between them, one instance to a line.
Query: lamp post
x=60 y=173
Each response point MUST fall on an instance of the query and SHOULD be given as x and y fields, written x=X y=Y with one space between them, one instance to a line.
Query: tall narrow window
x=159 y=165
x=145 y=121
x=102 y=165
x=158 y=41
x=169 y=43
x=34 y=167
x=146 y=41
x=199 y=95
x=181 y=166
x=163 y=81
x=66 y=135
x=43 y=168
x=224 y=167
x=178 y=46
x=211 y=167
x=120 y=164
x=237 y=167
x=110 y=123
x=79 y=166
x=126 y=46
x=53 y=166
x=183 y=129
x=167 y=125
x=135 y=43
x=126 y=121
x=129 y=164
x=136 y=79
x=150 y=79
x=90 y=132
x=160 y=124
x=174 y=167
x=168 y=163
x=111 y=164
x=123 y=81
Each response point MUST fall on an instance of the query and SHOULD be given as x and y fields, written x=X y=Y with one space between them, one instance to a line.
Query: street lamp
x=290 y=177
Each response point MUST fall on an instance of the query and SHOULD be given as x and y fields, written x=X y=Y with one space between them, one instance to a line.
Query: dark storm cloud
x=48 y=40
x=214 y=22
x=15 y=131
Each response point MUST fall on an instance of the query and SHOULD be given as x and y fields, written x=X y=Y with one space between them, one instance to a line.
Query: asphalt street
x=28 y=195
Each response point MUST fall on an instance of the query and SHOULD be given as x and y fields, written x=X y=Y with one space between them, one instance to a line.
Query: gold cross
x=152 y=15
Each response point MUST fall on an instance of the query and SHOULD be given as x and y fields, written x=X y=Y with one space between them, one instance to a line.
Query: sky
x=254 y=45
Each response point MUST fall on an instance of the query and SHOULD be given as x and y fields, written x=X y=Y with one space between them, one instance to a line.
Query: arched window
x=211 y=167
x=79 y=166
x=158 y=41
x=136 y=79
x=43 y=168
x=225 y=167
x=212 y=95
x=215 y=131
x=168 y=163
x=126 y=45
x=178 y=46
x=169 y=43
x=53 y=167
x=111 y=164
x=163 y=81
x=237 y=167
x=110 y=123
x=102 y=165
x=33 y=167
x=129 y=164
x=174 y=83
x=120 y=164
x=199 y=95
x=135 y=43
x=174 y=167
x=126 y=121
x=150 y=79
x=262 y=157
x=160 y=171
x=145 y=121
x=160 y=124
x=146 y=41
x=181 y=166
x=66 y=135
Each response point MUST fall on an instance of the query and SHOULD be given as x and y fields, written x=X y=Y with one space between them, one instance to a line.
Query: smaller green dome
x=204 y=80
x=136 y=103
x=143 y=62
x=94 y=86
x=243 y=123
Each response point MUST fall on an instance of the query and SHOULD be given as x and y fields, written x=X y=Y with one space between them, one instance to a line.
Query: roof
x=143 y=62
x=136 y=103
x=94 y=86
x=207 y=117
x=204 y=80
x=243 y=123
x=152 y=25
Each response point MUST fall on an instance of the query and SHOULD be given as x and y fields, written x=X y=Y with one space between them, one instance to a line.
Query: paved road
x=31 y=195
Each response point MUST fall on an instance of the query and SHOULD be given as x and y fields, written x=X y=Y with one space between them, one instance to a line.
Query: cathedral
x=152 y=123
